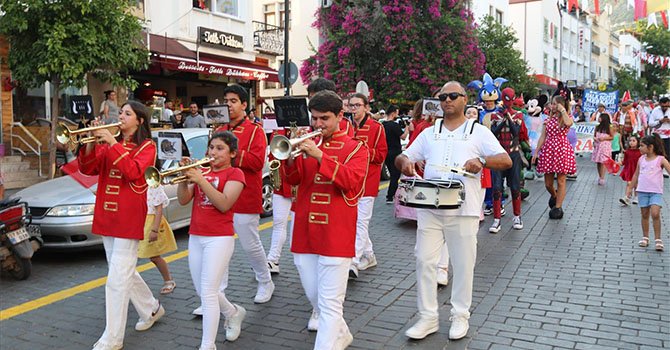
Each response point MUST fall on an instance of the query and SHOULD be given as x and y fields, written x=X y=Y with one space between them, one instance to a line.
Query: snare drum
x=431 y=194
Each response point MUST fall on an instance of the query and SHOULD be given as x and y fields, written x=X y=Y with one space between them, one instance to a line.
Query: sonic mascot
x=488 y=94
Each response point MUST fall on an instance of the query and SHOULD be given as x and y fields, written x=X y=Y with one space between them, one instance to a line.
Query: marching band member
x=120 y=212
x=211 y=235
x=331 y=179
x=372 y=133
x=282 y=200
x=250 y=158
x=321 y=84
x=476 y=148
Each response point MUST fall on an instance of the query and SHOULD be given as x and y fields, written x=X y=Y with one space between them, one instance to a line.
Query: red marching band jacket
x=372 y=133
x=251 y=147
x=327 y=200
x=121 y=197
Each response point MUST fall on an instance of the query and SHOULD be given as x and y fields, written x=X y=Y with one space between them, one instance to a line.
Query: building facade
x=498 y=9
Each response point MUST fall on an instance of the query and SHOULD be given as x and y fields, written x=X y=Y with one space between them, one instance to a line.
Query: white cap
x=382 y=111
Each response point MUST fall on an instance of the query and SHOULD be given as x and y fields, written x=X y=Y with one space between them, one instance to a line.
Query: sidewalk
x=578 y=283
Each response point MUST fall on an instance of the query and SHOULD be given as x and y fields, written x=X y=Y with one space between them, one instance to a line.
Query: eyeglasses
x=452 y=96
x=355 y=105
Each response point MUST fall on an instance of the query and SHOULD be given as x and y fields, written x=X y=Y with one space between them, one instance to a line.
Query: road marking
x=85 y=287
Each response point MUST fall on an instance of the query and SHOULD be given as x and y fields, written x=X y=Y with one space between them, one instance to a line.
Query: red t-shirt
x=206 y=219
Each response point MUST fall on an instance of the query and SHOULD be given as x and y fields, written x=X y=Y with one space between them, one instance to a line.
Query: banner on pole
x=592 y=98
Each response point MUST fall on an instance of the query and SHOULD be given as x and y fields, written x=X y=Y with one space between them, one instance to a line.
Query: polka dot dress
x=556 y=154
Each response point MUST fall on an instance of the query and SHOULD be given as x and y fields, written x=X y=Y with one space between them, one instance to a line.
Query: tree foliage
x=657 y=40
x=502 y=59
x=61 y=41
x=403 y=49
x=626 y=79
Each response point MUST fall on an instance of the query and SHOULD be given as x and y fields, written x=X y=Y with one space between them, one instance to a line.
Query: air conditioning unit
x=326 y=3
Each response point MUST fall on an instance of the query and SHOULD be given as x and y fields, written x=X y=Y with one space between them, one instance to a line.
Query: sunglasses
x=452 y=96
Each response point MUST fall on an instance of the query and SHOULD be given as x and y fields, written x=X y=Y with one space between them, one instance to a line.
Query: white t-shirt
x=442 y=147
x=155 y=197
x=662 y=129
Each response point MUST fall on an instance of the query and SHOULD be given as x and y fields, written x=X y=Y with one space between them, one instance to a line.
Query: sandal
x=659 y=245
x=644 y=242
x=168 y=287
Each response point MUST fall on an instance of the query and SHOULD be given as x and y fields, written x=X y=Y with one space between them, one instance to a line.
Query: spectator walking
x=394 y=133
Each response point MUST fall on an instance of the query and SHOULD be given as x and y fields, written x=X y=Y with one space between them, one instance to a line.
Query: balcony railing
x=595 y=49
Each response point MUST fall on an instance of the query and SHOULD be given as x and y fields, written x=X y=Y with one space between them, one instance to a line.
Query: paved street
x=578 y=283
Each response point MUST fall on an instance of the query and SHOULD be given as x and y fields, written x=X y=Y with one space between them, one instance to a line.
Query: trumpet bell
x=62 y=133
x=153 y=177
x=281 y=147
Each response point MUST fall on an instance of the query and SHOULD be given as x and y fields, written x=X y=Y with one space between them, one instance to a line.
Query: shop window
x=270 y=85
x=30 y=105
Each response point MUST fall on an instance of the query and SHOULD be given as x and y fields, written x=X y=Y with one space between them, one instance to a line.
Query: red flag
x=72 y=169
x=626 y=96
x=664 y=17
x=640 y=9
x=573 y=3
x=596 y=7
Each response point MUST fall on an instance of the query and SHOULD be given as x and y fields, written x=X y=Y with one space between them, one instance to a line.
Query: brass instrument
x=155 y=178
x=275 y=176
x=66 y=136
x=283 y=148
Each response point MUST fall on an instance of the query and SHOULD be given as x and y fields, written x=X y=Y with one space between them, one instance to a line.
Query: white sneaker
x=502 y=211
x=422 y=328
x=367 y=261
x=264 y=292
x=274 y=268
x=625 y=201
x=343 y=341
x=634 y=200
x=517 y=223
x=233 y=325
x=102 y=346
x=143 y=325
x=353 y=271
x=313 y=323
x=197 y=311
x=442 y=276
x=495 y=226
x=459 y=327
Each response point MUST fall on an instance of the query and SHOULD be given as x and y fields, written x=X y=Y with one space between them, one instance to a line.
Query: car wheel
x=267 y=197
x=386 y=174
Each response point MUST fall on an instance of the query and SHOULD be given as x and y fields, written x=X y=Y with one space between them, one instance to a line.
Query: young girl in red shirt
x=211 y=242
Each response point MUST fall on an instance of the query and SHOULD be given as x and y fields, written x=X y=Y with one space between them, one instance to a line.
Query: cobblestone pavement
x=578 y=283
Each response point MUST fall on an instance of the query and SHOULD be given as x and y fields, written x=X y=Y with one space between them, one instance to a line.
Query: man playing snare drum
x=451 y=142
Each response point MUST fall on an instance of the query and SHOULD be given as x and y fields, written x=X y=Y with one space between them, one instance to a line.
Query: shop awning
x=218 y=66
x=546 y=80
x=172 y=55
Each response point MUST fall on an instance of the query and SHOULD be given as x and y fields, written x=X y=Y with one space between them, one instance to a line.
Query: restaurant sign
x=220 y=40
x=210 y=69
x=269 y=41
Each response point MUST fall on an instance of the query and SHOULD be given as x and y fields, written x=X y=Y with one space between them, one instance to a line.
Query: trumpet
x=155 y=178
x=65 y=136
x=283 y=148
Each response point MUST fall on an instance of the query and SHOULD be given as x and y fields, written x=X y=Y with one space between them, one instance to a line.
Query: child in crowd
x=602 y=147
x=617 y=143
x=158 y=236
x=629 y=164
x=648 y=181
x=211 y=242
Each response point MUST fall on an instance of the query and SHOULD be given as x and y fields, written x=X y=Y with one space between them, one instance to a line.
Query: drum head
x=433 y=183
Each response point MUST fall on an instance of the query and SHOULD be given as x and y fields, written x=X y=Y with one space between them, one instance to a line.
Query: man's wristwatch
x=482 y=160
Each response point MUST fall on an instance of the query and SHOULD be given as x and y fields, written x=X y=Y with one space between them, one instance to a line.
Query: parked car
x=62 y=209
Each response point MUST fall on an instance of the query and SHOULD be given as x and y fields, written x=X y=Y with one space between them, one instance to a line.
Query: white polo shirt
x=437 y=145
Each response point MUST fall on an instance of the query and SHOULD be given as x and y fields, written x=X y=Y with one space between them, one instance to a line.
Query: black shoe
x=552 y=202
x=389 y=201
x=556 y=213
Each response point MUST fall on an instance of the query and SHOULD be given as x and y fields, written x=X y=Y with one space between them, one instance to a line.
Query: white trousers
x=460 y=235
x=363 y=242
x=246 y=227
x=281 y=206
x=444 y=257
x=124 y=283
x=208 y=260
x=324 y=279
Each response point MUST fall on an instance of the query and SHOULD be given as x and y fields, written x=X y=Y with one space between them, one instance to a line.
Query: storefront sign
x=269 y=41
x=546 y=80
x=221 y=40
x=219 y=70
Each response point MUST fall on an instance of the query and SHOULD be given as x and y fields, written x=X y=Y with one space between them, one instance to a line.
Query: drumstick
x=459 y=171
